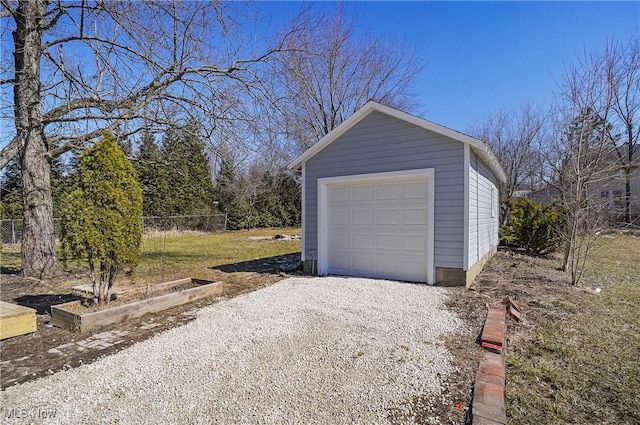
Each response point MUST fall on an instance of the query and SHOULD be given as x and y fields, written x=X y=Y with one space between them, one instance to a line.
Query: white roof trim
x=481 y=148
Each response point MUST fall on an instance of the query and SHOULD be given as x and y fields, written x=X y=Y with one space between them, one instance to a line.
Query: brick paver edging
x=487 y=406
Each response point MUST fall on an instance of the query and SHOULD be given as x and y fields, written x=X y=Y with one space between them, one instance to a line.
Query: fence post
x=225 y=222
x=13 y=232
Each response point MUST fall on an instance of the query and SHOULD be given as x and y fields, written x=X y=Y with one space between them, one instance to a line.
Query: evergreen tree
x=152 y=175
x=11 y=191
x=257 y=198
x=188 y=173
x=199 y=183
x=229 y=192
x=278 y=203
x=63 y=179
x=102 y=218
x=62 y=168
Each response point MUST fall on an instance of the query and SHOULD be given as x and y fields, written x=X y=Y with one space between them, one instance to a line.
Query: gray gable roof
x=481 y=148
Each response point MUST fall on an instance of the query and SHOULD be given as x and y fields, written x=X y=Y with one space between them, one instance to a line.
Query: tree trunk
x=627 y=195
x=38 y=241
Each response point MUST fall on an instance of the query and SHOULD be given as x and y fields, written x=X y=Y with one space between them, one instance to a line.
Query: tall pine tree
x=188 y=173
x=11 y=191
x=151 y=170
x=229 y=191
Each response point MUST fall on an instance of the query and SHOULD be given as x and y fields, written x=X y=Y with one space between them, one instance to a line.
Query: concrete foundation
x=444 y=276
x=310 y=267
x=477 y=267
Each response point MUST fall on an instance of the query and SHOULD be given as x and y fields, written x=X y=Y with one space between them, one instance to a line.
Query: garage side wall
x=483 y=216
x=380 y=143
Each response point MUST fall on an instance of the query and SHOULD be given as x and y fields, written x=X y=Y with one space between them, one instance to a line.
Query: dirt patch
x=51 y=349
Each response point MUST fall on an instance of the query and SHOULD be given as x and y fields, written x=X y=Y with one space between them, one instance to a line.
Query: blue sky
x=480 y=56
x=484 y=56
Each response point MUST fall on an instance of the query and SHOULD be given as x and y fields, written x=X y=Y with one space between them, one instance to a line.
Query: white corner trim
x=322 y=230
x=431 y=220
x=323 y=222
x=467 y=176
x=303 y=236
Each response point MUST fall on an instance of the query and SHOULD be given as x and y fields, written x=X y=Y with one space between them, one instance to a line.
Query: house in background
x=613 y=193
x=608 y=192
x=390 y=195
x=547 y=195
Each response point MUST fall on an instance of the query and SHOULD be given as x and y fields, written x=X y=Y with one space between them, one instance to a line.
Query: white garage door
x=378 y=229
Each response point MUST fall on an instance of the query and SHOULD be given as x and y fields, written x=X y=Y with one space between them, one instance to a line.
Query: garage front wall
x=380 y=143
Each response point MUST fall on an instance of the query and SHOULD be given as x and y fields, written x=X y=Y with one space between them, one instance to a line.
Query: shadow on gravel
x=288 y=263
x=43 y=302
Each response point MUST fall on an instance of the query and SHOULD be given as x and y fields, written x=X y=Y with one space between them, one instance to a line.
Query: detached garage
x=390 y=195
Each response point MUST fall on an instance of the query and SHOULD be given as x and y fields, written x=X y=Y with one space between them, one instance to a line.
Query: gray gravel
x=305 y=350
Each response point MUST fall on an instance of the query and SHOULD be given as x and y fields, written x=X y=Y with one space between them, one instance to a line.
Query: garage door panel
x=361 y=193
x=339 y=263
x=361 y=241
x=379 y=229
x=361 y=217
x=415 y=270
x=338 y=194
x=417 y=190
x=414 y=243
x=386 y=267
x=339 y=216
x=387 y=191
x=414 y=216
x=387 y=241
x=386 y=216
x=339 y=240
x=361 y=263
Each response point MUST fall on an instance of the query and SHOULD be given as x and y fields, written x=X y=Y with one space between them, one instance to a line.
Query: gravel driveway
x=305 y=350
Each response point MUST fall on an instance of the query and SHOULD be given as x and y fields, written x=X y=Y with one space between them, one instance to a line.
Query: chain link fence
x=11 y=230
x=185 y=223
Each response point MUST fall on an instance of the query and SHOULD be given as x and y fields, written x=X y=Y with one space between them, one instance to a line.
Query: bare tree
x=584 y=166
x=329 y=71
x=582 y=163
x=516 y=137
x=79 y=68
x=601 y=94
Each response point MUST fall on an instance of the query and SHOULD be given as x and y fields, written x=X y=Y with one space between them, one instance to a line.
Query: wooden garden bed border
x=77 y=322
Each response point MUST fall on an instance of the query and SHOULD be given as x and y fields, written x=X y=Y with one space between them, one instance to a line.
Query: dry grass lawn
x=168 y=256
x=576 y=360
x=575 y=357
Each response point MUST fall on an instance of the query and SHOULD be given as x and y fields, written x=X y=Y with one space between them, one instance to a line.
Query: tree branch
x=7 y=9
x=9 y=152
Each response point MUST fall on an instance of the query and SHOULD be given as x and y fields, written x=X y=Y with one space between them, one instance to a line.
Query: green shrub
x=101 y=218
x=534 y=227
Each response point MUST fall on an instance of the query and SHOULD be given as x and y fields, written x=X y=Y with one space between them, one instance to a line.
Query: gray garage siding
x=488 y=216
x=380 y=143
x=483 y=210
